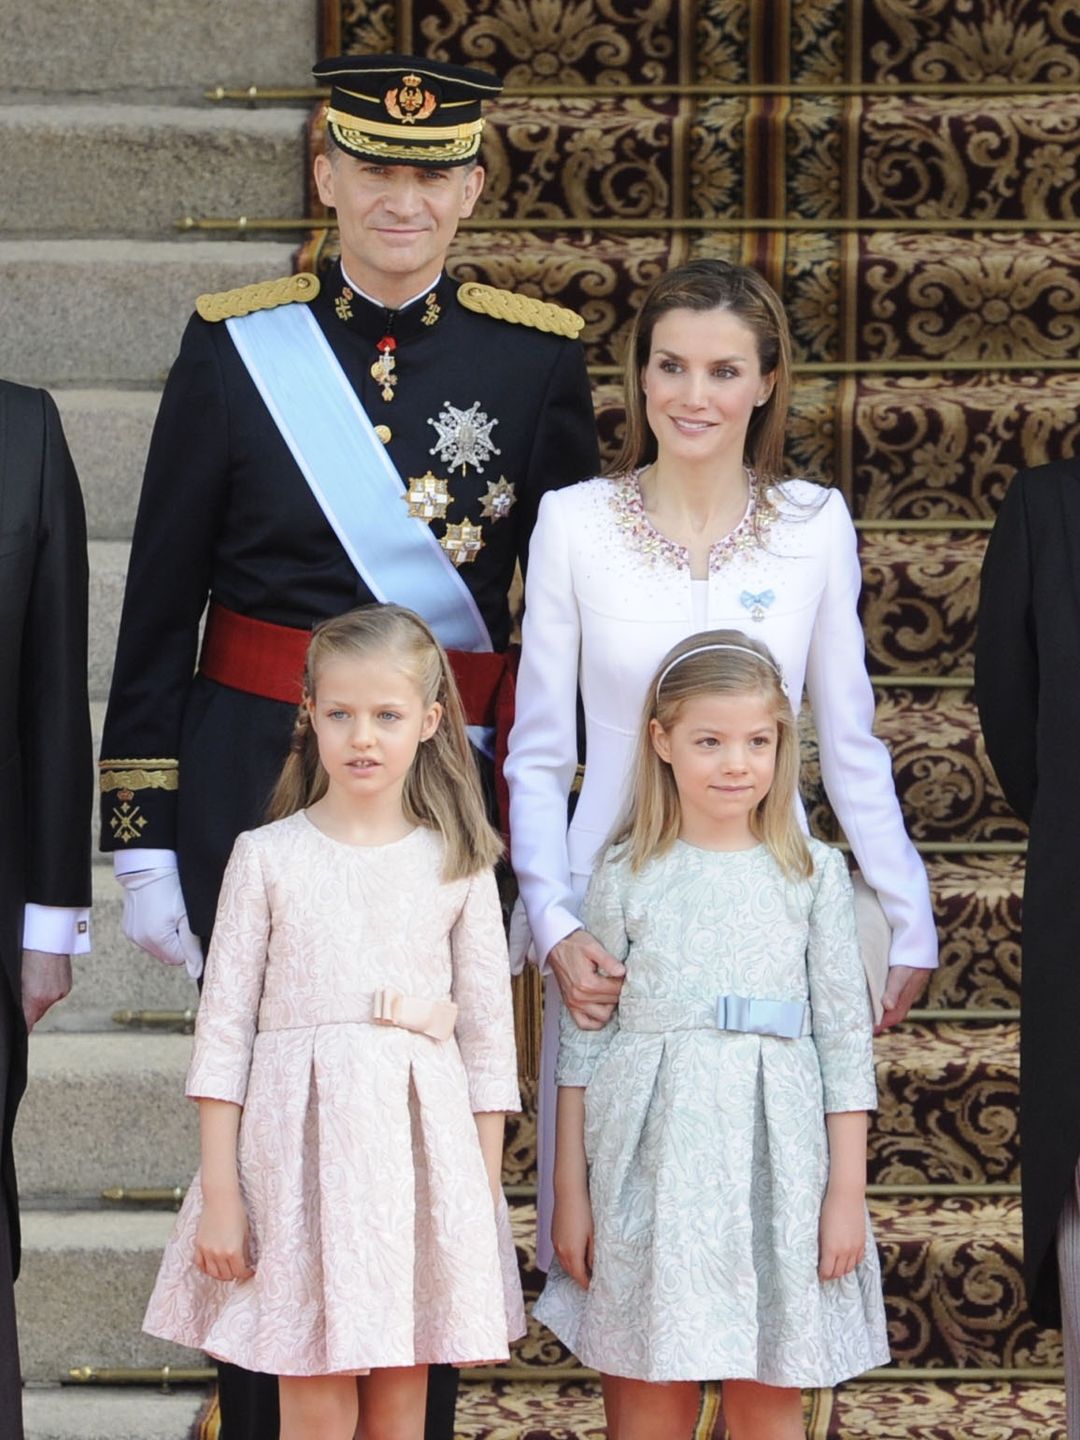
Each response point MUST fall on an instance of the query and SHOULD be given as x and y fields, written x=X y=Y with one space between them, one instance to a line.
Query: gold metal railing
x=704 y=89
x=888 y=225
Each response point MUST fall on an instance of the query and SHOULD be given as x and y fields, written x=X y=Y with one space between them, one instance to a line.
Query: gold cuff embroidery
x=142 y=775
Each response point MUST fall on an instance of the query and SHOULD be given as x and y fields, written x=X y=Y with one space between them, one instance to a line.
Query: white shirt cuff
x=127 y=862
x=56 y=929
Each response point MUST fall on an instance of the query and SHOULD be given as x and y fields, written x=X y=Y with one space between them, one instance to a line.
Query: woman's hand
x=842 y=1231
x=590 y=979
x=222 y=1239
x=572 y=1233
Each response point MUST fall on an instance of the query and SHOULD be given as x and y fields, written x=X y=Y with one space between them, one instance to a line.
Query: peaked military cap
x=400 y=110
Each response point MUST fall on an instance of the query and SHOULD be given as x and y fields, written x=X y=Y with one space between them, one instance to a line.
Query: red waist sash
x=264 y=659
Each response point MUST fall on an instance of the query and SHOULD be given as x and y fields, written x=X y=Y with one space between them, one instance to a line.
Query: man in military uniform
x=274 y=499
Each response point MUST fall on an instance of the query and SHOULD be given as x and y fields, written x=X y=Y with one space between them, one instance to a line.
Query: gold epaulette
x=521 y=309
x=266 y=295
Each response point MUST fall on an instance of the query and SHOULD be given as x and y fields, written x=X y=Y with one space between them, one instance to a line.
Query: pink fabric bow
x=426 y=1017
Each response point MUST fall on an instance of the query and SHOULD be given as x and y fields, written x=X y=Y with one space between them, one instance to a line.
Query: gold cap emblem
x=409 y=101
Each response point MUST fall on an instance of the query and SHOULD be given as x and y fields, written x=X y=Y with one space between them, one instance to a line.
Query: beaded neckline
x=631 y=517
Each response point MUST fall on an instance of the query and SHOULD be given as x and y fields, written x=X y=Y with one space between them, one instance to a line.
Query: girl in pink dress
x=354 y=1059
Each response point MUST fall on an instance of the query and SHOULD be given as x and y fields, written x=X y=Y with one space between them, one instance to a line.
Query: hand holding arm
x=590 y=978
x=222 y=1248
x=572 y=1223
x=45 y=980
x=904 y=986
x=842 y=1229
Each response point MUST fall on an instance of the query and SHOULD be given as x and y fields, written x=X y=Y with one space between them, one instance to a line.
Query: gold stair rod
x=912 y=366
x=960 y=847
x=922 y=682
x=927 y=526
x=898 y=1191
x=977 y=89
x=155 y=1019
x=649 y=225
x=162 y=1375
x=148 y=1195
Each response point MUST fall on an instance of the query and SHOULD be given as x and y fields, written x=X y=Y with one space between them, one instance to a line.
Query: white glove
x=155 y=918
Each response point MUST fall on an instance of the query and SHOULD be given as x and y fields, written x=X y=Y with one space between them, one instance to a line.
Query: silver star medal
x=464 y=437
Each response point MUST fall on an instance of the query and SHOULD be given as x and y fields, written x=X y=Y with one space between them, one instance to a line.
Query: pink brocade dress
x=374 y=1235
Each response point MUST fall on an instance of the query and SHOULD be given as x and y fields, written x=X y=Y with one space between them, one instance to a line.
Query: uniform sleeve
x=580 y=1051
x=168 y=582
x=1006 y=653
x=855 y=765
x=54 y=711
x=565 y=447
x=481 y=991
x=839 y=1000
x=543 y=751
x=229 y=1008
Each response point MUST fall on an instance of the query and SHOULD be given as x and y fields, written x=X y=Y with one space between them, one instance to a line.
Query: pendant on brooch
x=383 y=371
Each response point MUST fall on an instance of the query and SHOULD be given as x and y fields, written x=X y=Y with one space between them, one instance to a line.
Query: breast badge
x=427 y=497
x=757 y=604
x=463 y=542
x=464 y=437
x=499 y=499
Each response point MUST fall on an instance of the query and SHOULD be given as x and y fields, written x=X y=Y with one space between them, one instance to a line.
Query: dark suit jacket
x=1027 y=682
x=46 y=778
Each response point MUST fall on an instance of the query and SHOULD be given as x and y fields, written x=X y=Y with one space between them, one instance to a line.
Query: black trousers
x=11 y=1422
x=249 y=1404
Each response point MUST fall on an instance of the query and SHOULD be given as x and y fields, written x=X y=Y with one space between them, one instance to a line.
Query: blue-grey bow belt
x=787 y=1019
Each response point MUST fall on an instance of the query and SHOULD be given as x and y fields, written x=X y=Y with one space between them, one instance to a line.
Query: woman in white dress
x=694 y=529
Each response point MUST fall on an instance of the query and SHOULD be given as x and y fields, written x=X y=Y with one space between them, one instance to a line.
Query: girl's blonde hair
x=706 y=284
x=442 y=788
x=716 y=662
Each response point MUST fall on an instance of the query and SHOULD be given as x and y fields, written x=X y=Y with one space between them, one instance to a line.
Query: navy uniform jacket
x=226 y=514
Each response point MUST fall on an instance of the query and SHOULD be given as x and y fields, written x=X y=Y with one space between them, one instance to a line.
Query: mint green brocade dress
x=707 y=1149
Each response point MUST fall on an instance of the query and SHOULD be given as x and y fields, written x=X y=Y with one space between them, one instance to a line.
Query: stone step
x=977 y=902
x=920 y=600
x=948 y=1100
x=169 y=50
x=108 y=433
x=105 y=1110
x=116 y=975
x=895 y=1409
x=134 y=170
x=105 y=312
x=86 y=1277
x=947 y=788
x=908 y=157
x=108 y=572
x=89 y=1413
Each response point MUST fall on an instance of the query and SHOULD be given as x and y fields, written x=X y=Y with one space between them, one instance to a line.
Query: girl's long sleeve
x=229 y=1009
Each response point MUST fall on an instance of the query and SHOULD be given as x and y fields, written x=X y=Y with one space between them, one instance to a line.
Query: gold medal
x=499 y=499
x=463 y=542
x=427 y=497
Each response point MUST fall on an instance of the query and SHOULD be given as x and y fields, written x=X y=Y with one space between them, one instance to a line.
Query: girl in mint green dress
x=710 y=1218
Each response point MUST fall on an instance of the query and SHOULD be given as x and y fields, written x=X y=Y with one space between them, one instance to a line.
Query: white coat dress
x=607 y=596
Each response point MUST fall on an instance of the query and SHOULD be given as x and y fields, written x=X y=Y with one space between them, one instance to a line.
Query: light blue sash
x=350 y=474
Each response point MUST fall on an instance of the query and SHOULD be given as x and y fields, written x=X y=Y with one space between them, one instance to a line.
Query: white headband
x=702 y=649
